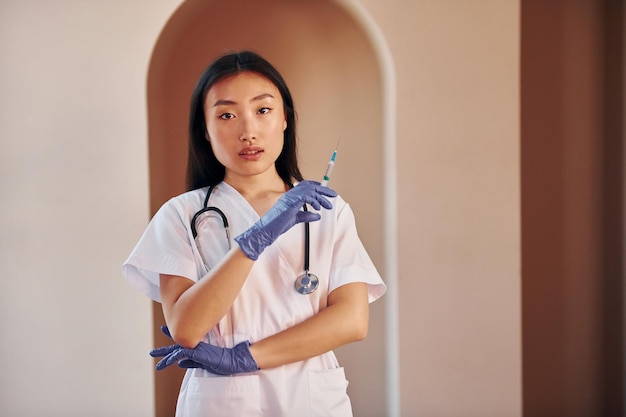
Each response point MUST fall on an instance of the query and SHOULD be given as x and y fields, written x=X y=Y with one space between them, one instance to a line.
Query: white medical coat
x=266 y=304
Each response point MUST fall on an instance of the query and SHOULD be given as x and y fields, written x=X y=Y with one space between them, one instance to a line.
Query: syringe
x=331 y=166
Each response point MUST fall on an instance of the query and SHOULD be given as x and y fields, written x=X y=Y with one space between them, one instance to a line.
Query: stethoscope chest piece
x=306 y=283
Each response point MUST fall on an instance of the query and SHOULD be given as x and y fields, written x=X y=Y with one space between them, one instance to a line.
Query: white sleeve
x=164 y=248
x=351 y=262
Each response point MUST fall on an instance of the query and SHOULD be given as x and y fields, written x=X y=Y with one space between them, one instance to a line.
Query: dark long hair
x=203 y=168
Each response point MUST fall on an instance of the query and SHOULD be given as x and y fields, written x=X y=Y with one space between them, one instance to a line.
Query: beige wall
x=458 y=167
x=74 y=336
x=75 y=199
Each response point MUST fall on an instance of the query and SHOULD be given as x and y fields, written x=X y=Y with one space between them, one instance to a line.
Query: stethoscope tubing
x=304 y=284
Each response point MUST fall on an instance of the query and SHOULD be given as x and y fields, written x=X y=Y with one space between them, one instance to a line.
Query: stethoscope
x=306 y=283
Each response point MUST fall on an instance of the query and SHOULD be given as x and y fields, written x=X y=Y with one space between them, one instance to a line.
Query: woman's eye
x=264 y=110
x=227 y=116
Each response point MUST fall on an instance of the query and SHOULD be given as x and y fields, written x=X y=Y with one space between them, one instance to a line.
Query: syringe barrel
x=329 y=171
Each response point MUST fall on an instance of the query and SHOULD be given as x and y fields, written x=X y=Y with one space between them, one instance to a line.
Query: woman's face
x=245 y=121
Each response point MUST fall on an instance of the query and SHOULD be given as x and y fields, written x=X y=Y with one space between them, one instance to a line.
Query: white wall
x=74 y=336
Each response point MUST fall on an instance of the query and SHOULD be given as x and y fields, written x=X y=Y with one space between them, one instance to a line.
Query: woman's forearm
x=345 y=320
x=191 y=309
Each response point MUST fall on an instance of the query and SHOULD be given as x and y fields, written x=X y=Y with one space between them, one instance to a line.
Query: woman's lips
x=251 y=153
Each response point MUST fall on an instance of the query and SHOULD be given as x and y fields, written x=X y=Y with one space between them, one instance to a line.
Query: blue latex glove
x=217 y=360
x=283 y=215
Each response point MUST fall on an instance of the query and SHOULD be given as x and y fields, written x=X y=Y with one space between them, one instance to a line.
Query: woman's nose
x=248 y=129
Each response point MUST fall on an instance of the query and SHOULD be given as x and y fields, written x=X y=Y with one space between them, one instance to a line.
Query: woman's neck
x=261 y=191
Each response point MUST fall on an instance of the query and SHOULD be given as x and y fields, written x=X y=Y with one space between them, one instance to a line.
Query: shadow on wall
x=332 y=71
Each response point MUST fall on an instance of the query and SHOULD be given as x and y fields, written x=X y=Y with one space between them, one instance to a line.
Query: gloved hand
x=283 y=215
x=217 y=360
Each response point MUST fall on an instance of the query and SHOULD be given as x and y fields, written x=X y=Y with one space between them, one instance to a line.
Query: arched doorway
x=332 y=68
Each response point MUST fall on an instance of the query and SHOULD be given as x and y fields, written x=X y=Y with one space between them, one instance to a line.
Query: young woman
x=260 y=273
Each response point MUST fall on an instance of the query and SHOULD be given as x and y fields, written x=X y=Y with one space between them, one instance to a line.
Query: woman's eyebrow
x=262 y=96
x=226 y=102
x=223 y=102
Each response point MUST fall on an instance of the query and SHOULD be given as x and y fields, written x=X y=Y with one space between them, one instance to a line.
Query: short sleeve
x=351 y=262
x=164 y=248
